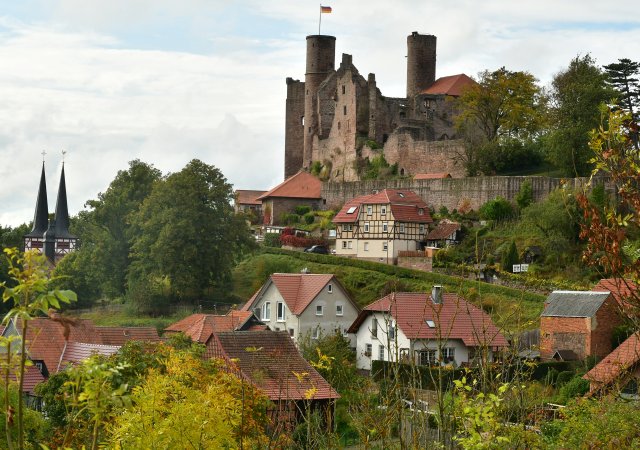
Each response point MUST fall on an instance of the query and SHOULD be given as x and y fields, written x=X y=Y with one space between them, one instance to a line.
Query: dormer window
x=431 y=324
x=420 y=211
x=352 y=209
x=400 y=194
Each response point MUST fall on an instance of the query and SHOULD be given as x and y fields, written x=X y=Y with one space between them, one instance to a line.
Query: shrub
x=309 y=218
x=302 y=210
x=304 y=242
x=289 y=219
x=498 y=209
x=272 y=240
x=575 y=387
x=564 y=377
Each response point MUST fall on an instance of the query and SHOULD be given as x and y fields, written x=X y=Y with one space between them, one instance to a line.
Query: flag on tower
x=325 y=9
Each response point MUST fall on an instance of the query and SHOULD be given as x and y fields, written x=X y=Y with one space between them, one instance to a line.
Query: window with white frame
x=385 y=226
x=401 y=228
x=392 y=331
x=421 y=228
x=374 y=328
x=345 y=227
x=368 y=348
x=344 y=244
x=383 y=210
x=427 y=357
x=350 y=244
x=366 y=227
x=448 y=354
x=385 y=246
x=381 y=352
x=319 y=310
x=345 y=332
x=366 y=246
x=369 y=210
x=330 y=288
x=266 y=311
x=339 y=310
x=315 y=334
x=292 y=332
x=280 y=311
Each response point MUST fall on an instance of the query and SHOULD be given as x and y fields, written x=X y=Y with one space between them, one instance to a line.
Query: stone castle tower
x=339 y=119
x=51 y=236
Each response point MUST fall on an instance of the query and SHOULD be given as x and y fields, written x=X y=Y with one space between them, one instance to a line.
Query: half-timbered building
x=379 y=226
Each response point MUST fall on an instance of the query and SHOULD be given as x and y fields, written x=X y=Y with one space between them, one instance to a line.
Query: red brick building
x=577 y=324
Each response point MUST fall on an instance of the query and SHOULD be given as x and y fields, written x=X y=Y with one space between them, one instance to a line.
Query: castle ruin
x=339 y=118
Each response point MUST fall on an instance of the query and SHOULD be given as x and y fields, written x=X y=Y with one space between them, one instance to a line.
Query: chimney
x=436 y=294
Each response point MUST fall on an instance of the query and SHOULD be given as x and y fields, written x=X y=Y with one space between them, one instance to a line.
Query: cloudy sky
x=167 y=81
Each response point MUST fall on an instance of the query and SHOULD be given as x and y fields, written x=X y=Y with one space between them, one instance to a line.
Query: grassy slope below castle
x=366 y=281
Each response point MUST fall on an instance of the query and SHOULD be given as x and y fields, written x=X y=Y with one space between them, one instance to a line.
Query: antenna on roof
x=43 y=154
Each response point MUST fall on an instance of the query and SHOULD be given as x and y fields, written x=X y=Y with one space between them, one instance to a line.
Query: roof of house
x=271 y=361
x=297 y=289
x=453 y=318
x=406 y=206
x=450 y=85
x=431 y=176
x=76 y=352
x=565 y=355
x=574 y=303
x=247 y=197
x=32 y=377
x=623 y=290
x=622 y=359
x=443 y=231
x=121 y=335
x=300 y=185
x=200 y=327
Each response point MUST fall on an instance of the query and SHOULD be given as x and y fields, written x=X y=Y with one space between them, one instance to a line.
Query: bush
x=309 y=218
x=498 y=209
x=302 y=210
x=304 y=242
x=272 y=240
x=575 y=387
x=564 y=377
x=289 y=219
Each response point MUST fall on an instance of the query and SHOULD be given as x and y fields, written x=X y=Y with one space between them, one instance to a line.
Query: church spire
x=62 y=212
x=41 y=216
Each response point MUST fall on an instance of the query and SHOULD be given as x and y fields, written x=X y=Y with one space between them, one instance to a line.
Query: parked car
x=318 y=249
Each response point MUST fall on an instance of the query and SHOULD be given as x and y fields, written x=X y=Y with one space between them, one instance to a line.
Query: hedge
x=402 y=272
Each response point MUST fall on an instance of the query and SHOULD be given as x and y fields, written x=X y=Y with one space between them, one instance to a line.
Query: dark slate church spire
x=41 y=216
x=62 y=212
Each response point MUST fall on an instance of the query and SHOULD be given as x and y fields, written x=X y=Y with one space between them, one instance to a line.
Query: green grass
x=111 y=316
x=367 y=281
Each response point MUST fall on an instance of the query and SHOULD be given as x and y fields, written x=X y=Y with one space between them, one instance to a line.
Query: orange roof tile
x=451 y=85
x=247 y=197
x=431 y=176
x=77 y=352
x=454 y=318
x=622 y=359
x=300 y=185
x=443 y=231
x=405 y=206
x=270 y=360
x=200 y=327
x=297 y=289
x=121 y=335
x=624 y=291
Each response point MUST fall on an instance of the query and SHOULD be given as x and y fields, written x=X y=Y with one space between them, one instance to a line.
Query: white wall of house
x=400 y=348
x=313 y=321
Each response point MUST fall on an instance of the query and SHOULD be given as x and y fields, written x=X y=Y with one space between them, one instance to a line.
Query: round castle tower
x=421 y=62
x=321 y=55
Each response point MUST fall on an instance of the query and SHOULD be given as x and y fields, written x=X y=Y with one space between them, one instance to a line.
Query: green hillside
x=366 y=281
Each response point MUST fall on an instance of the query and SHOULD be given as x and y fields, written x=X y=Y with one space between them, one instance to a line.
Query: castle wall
x=450 y=192
x=294 y=127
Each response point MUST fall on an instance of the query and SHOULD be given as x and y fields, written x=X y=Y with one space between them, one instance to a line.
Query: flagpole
x=320 y=19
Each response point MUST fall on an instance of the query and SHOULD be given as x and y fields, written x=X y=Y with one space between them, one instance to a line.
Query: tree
x=186 y=231
x=621 y=78
x=525 y=195
x=497 y=209
x=503 y=109
x=510 y=258
x=576 y=94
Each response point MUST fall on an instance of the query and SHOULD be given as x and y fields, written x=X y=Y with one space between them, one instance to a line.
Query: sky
x=166 y=81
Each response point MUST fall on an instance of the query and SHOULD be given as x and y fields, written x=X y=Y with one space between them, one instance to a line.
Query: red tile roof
x=300 y=185
x=443 y=231
x=200 y=327
x=297 y=289
x=619 y=361
x=454 y=318
x=76 y=352
x=247 y=197
x=32 y=377
x=121 y=335
x=405 y=206
x=452 y=85
x=270 y=360
x=431 y=176
x=624 y=291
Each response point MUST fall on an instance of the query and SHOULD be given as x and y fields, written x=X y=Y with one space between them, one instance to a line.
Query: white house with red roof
x=425 y=329
x=304 y=304
x=378 y=226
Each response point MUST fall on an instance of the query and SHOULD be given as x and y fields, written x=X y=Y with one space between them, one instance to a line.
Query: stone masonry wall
x=450 y=192
x=564 y=333
x=607 y=318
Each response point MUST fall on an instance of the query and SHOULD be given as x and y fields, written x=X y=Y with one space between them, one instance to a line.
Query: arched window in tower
x=401 y=172
x=302 y=120
x=344 y=109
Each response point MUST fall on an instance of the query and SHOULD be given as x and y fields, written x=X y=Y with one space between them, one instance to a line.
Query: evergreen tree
x=510 y=258
x=621 y=78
